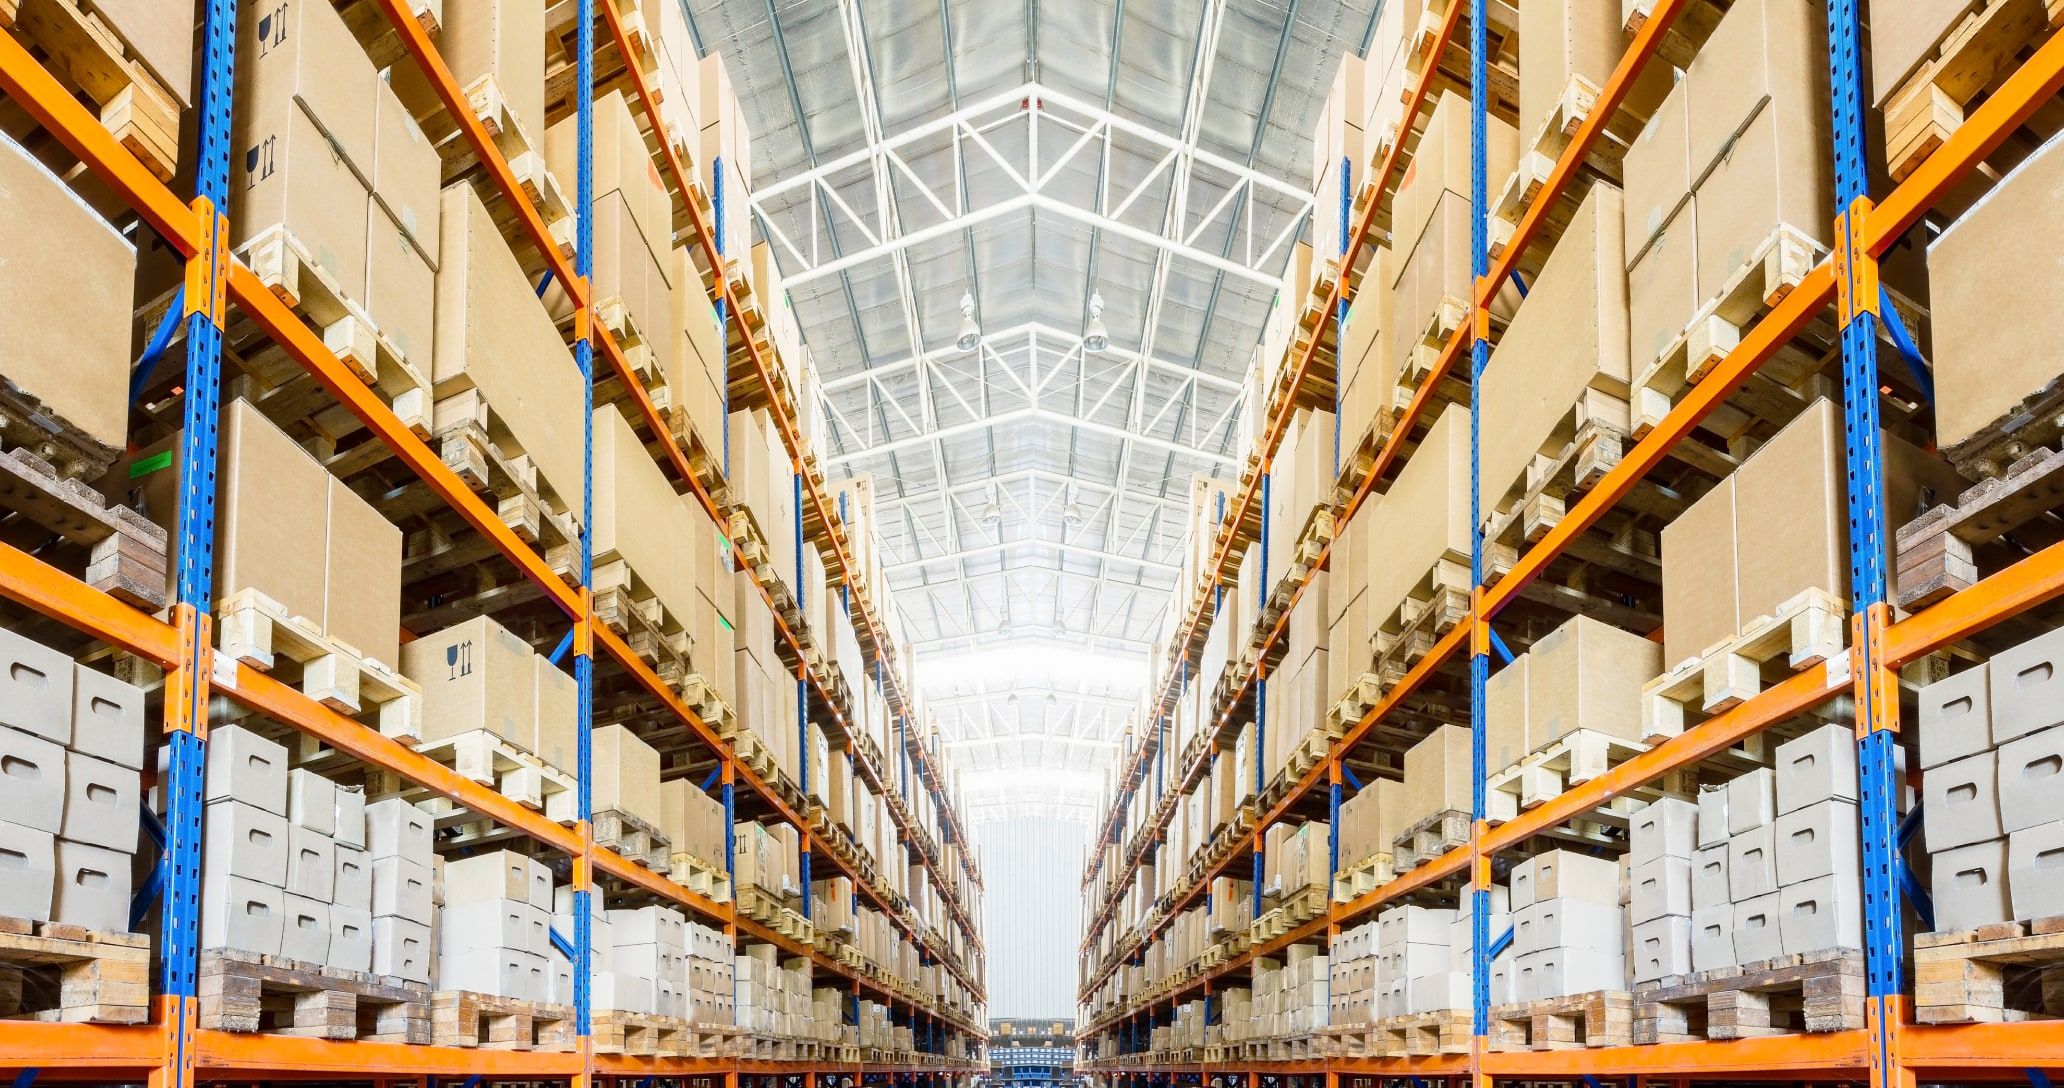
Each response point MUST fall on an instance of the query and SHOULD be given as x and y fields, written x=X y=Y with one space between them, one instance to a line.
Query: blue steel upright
x=186 y=721
x=584 y=648
x=1877 y=708
x=1479 y=652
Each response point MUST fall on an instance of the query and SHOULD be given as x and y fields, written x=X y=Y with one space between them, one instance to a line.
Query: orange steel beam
x=106 y=1047
x=2032 y=581
x=1942 y=1048
x=1778 y=1057
x=292 y=1056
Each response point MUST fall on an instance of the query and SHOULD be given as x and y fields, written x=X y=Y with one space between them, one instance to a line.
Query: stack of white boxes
x=1568 y=927
x=1354 y=975
x=494 y=926
x=398 y=846
x=1415 y=962
x=1462 y=939
x=648 y=962
x=710 y=970
x=1663 y=840
x=284 y=871
x=1777 y=870
x=71 y=754
x=608 y=989
x=1991 y=740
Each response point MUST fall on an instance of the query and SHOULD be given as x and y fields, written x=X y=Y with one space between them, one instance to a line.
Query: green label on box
x=154 y=463
x=725 y=622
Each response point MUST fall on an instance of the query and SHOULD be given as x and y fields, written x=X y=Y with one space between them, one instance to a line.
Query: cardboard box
x=1437 y=775
x=1658 y=888
x=242 y=914
x=1709 y=878
x=489 y=970
x=1757 y=936
x=1662 y=283
x=1984 y=367
x=64 y=258
x=1433 y=488
x=273 y=502
x=362 y=599
x=1565 y=874
x=1962 y=802
x=2027 y=687
x=2035 y=869
x=107 y=718
x=1815 y=767
x=1658 y=177
x=304 y=929
x=1667 y=827
x=1751 y=800
x=1712 y=937
x=400 y=292
x=1442 y=164
x=311 y=866
x=311 y=801
x=352 y=887
x=395 y=828
x=401 y=947
x=1565 y=348
x=622 y=166
x=351 y=939
x=302 y=55
x=499 y=39
x=286 y=172
x=1776 y=172
x=1826 y=912
x=1752 y=863
x=626 y=774
x=639 y=518
x=496 y=342
x=1506 y=739
x=1588 y=675
x=1971 y=887
x=475 y=676
x=1662 y=948
x=1818 y=840
x=485 y=923
x=32 y=773
x=28 y=860
x=407 y=176
x=2028 y=769
x=558 y=714
x=350 y=827
x=497 y=875
x=245 y=841
x=1766 y=55
x=1712 y=815
x=1956 y=717
x=401 y=889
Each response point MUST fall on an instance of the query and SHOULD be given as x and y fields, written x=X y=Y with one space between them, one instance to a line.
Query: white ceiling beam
x=1064 y=549
x=885 y=369
x=1031 y=415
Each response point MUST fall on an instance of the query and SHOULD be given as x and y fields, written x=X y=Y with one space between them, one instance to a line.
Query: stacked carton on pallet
x=1569 y=933
x=493 y=927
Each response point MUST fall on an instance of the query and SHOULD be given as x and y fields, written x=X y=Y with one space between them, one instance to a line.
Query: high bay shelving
x=171 y=1050
x=1892 y=1049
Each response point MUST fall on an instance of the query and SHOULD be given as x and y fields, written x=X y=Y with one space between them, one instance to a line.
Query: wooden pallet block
x=478 y=755
x=1429 y=838
x=699 y=876
x=257 y=631
x=1983 y=47
x=1812 y=992
x=86 y=54
x=1426 y=1034
x=471 y=438
x=247 y=992
x=1362 y=877
x=638 y=1035
x=626 y=603
x=56 y=971
x=1940 y=552
x=1433 y=606
x=1555 y=768
x=463 y=1018
x=1807 y=629
x=282 y=262
x=1574 y=1022
x=634 y=837
x=1592 y=441
x=118 y=551
x=520 y=148
x=1991 y=974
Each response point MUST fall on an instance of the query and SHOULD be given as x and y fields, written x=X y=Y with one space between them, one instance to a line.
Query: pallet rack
x=172 y=1050
x=1892 y=1049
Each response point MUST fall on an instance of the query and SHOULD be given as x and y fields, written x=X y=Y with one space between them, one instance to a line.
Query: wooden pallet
x=247 y=992
x=1449 y=314
x=639 y=1035
x=1599 y=1018
x=1806 y=630
x=635 y=838
x=1773 y=268
x=257 y=630
x=1538 y=157
x=627 y=605
x=480 y=756
x=471 y=440
x=1593 y=438
x=282 y=262
x=1984 y=47
x=1991 y=974
x=116 y=549
x=1362 y=877
x=699 y=876
x=467 y=1019
x=86 y=55
x=1425 y=1034
x=1429 y=838
x=1679 y=43
x=1950 y=547
x=1437 y=603
x=56 y=971
x=1568 y=761
x=520 y=149
x=1812 y=992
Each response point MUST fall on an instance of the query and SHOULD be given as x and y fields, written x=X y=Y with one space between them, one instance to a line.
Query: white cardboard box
x=245 y=767
x=32 y=778
x=35 y=688
x=305 y=934
x=237 y=912
x=101 y=802
x=244 y=840
x=107 y=718
x=311 y=864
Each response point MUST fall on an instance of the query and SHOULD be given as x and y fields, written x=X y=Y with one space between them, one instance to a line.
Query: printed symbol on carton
x=261 y=153
x=459 y=658
x=272 y=29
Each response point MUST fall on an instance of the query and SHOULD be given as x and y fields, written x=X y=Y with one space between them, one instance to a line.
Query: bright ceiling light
x=1052 y=700
x=1071 y=514
x=1011 y=699
x=1095 y=337
x=970 y=333
x=992 y=511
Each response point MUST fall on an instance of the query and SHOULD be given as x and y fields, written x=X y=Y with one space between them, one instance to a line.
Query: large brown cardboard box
x=1561 y=40
x=401 y=288
x=1588 y=675
x=1441 y=163
x=626 y=774
x=1994 y=282
x=476 y=675
x=1777 y=172
x=407 y=175
x=495 y=338
x=1568 y=340
x=1663 y=288
x=1435 y=269
x=362 y=585
x=622 y=164
x=1657 y=170
x=1423 y=518
x=638 y=516
x=302 y=54
x=1907 y=32
x=285 y=171
x=694 y=357
x=504 y=39
x=272 y=509
x=160 y=34
x=69 y=283
x=1506 y=737
x=558 y=715
x=1437 y=773
x=1699 y=606
x=626 y=270
x=1763 y=52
